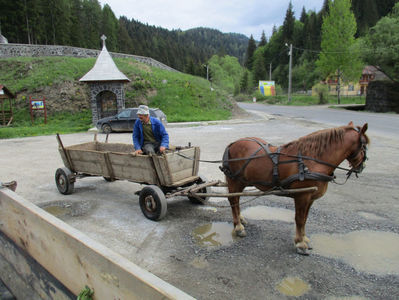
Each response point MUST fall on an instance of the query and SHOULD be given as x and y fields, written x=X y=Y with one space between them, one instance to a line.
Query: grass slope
x=181 y=96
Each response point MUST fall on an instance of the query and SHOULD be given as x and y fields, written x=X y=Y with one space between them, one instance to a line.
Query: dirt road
x=354 y=228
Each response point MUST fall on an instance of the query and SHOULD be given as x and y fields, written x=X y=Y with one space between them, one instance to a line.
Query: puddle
x=374 y=252
x=199 y=262
x=214 y=234
x=269 y=213
x=61 y=209
x=370 y=216
x=58 y=211
x=208 y=208
x=293 y=286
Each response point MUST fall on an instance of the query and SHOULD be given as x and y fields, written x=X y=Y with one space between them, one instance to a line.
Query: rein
x=303 y=171
x=275 y=153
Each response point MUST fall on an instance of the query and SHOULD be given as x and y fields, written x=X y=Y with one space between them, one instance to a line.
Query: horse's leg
x=236 y=187
x=302 y=205
x=305 y=238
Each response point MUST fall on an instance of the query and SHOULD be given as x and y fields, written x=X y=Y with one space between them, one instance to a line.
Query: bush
x=322 y=92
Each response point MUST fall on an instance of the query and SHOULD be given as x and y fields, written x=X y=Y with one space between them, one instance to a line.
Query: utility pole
x=290 y=75
x=207 y=72
x=270 y=72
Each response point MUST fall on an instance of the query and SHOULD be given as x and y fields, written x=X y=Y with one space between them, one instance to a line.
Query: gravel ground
x=354 y=227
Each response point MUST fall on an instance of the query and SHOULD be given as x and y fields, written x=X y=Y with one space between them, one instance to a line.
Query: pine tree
x=76 y=34
x=366 y=13
x=288 y=25
x=304 y=15
x=250 y=52
x=244 y=82
x=259 y=70
x=110 y=28
x=263 y=40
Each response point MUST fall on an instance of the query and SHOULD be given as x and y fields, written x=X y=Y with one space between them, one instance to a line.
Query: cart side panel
x=64 y=159
x=90 y=162
x=175 y=168
x=115 y=147
x=91 y=146
x=162 y=169
x=134 y=168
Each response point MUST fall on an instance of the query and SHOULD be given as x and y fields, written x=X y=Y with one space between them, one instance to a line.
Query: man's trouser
x=151 y=148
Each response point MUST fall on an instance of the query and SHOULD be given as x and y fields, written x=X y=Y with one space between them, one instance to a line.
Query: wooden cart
x=175 y=172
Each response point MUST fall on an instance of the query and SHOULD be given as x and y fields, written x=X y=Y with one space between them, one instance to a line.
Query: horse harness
x=303 y=171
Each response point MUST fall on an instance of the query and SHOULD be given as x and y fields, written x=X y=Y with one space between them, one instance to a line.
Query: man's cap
x=143 y=110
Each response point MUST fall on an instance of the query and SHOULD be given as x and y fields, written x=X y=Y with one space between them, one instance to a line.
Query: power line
x=348 y=51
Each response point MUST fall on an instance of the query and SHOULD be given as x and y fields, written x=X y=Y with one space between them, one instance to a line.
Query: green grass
x=56 y=123
x=303 y=100
x=30 y=74
x=182 y=97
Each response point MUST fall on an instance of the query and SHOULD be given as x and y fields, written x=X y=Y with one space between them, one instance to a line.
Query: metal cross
x=103 y=37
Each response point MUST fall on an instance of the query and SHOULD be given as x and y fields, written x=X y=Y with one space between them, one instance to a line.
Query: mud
x=354 y=228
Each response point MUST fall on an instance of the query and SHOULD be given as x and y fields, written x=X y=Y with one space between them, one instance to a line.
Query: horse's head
x=358 y=156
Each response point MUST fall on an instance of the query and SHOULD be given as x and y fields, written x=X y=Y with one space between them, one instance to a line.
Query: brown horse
x=306 y=162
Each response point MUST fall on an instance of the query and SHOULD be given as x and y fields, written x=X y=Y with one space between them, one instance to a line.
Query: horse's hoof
x=307 y=241
x=241 y=233
x=302 y=251
x=243 y=221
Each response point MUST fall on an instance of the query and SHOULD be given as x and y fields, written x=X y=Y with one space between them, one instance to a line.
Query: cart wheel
x=63 y=181
x=207 y=189
x=153 y=203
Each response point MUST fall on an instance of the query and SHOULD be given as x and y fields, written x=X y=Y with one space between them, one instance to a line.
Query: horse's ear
x=350 y=123
x=364 y=128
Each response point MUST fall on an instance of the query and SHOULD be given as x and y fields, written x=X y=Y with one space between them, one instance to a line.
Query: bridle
x=362 y=149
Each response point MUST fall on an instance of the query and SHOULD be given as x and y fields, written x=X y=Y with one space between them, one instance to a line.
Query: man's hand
x=139 y=151
x=162 y=149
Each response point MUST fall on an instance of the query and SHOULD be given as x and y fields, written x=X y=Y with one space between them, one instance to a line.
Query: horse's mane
x=316 y=143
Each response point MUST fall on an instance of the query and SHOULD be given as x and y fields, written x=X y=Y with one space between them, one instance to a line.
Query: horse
x=309 y=161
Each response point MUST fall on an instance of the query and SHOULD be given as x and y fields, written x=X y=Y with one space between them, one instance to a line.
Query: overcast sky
x=240 y=16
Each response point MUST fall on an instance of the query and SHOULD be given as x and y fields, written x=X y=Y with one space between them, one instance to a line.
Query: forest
x=80 y=23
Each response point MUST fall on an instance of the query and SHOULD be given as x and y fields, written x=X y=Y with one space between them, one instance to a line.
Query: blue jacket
x=158 y=130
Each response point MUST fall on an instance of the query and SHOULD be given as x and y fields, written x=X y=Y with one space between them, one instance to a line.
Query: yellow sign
x=267 y=88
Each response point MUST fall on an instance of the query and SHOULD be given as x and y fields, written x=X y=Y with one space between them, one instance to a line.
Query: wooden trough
x=41 y=257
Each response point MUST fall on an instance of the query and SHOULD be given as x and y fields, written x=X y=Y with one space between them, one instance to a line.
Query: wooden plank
x=162 y=171
x=109 y=166
x=25 y=277
x=196 y=161
x=91 y=162
x=184 y=181
x=177 y=176
x=75 y=259
x=133 y=168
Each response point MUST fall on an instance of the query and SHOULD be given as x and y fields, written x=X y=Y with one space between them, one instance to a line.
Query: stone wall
x=17 y=50
x=382 y=96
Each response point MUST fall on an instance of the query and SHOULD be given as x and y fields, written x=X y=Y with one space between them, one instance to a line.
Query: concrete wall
x=17 y=50
x=382 y=96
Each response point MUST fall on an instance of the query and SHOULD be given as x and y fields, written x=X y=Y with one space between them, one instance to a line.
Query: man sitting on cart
x=149 y=134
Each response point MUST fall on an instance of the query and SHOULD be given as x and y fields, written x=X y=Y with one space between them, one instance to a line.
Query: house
x=359 y=88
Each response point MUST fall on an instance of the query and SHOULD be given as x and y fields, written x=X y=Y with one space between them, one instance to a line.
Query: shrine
x=107 y=94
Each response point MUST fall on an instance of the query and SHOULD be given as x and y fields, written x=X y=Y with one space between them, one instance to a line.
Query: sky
x=239 y=16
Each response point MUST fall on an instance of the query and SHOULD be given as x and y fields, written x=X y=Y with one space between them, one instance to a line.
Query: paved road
x=382 y=123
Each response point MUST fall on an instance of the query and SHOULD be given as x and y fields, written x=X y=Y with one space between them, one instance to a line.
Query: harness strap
x=303 y=172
